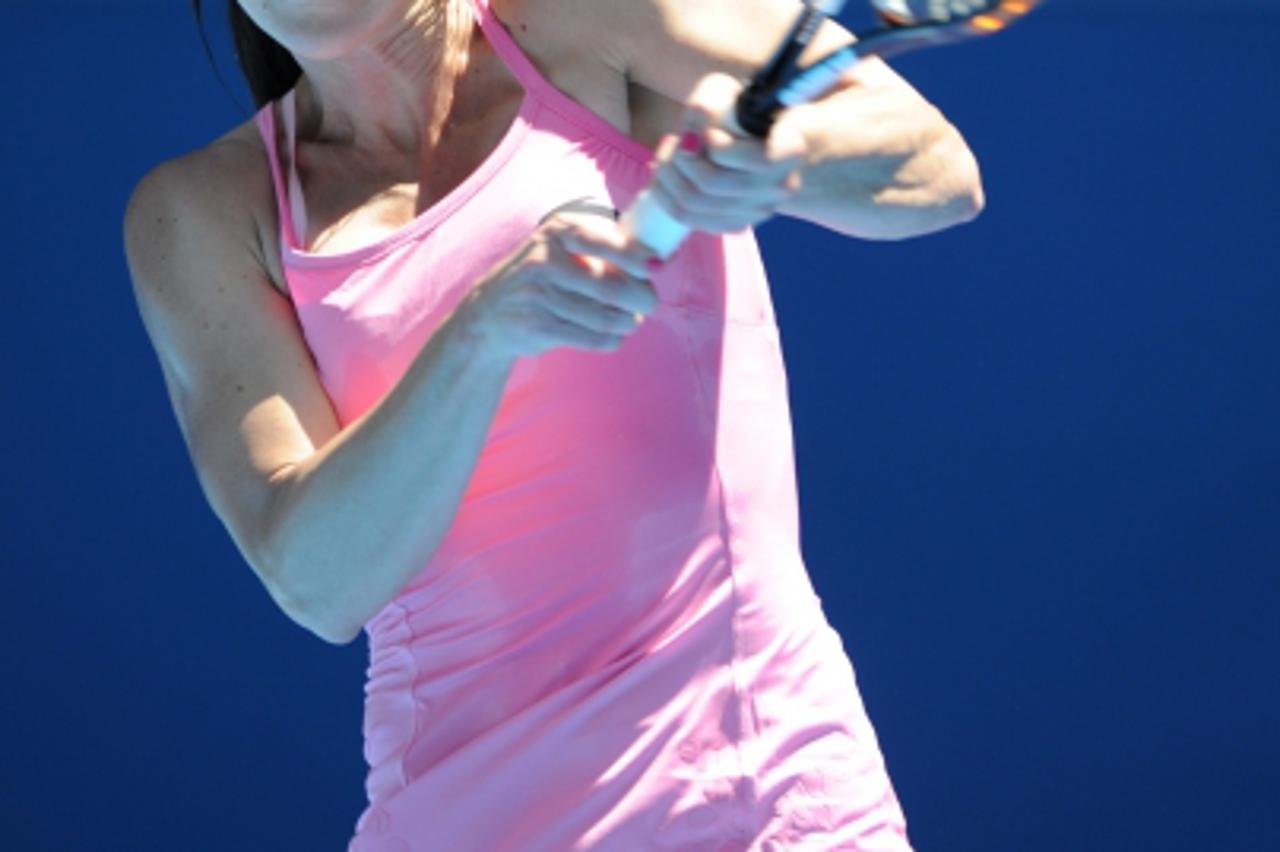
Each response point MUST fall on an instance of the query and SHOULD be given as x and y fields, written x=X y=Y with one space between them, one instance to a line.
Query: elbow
x=960 y=179
x=325 y=627
x=958 y=198
x=969 y=198
x=318 y=614
x=961 y=206
x=320 y=618
x=950 y=180
x=323 y=621
x=341 y=636
x=937 y=190
x=946 y=207
x=292 y=587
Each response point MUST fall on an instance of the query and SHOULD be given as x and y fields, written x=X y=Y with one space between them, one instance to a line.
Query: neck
x=388 y=99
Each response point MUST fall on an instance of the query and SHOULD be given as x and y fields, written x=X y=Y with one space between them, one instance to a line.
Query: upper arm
x=238 y=374
x=667 y=46
x=663 y=48
x=909 y=158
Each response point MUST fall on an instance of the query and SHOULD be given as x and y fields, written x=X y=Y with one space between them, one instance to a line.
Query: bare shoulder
x=656 y=49
x=662 y=48
x=575 y=47
x=223 y=190
x=557 y=24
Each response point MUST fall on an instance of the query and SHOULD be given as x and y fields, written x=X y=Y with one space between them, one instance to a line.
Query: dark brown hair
x=268 y=66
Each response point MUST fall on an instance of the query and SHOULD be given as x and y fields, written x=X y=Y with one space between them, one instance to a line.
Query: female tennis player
x=435 y=392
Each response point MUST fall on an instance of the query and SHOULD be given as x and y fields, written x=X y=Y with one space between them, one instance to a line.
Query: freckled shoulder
x=576 y=51
x=568 y=41
x=235 y=165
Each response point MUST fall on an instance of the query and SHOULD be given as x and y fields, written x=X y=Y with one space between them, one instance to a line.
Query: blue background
x=1037 y=457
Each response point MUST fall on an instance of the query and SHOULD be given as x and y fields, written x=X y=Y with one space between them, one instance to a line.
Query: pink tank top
x=616 y=646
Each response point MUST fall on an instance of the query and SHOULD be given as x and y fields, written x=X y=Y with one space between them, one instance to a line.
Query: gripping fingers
x=612 y=286
x=565 y=333
x=605 y=243
x=719 y=219
x=730 y=185
x=587 y=313
x=702 y=175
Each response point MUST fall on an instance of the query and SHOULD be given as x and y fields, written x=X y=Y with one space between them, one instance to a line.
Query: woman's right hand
x=578 y=281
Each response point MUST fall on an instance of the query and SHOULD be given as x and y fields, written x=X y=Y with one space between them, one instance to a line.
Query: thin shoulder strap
x=297 y=204
x=267 y=129
x=542 y=89
x=512 y=54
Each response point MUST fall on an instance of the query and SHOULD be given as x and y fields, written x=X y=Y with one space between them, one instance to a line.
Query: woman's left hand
x=712 y=180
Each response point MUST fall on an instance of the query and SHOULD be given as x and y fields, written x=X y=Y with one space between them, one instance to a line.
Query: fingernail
x=691 y=142
x=654 y=264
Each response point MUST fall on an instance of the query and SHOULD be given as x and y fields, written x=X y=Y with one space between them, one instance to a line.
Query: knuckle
x=624 y=322
x=696 y=176
x=718 y=181
x=574 y=230
x=557 y=223
x=540 y=253
x=639 y=296
x=649 y=298
x=545 y=324
x=676 y=204
x=691 y=182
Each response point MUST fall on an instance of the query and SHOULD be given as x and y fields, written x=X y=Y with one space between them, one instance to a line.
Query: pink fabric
x=617 y=645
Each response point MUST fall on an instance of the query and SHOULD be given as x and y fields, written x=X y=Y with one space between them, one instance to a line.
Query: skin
x=399 y=101
x=372 y=71
x=386 y=82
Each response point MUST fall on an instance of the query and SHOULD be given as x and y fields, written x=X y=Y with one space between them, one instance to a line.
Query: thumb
x=786 y=143
x=710 y=104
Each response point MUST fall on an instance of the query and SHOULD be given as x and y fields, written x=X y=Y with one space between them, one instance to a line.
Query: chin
x=326 y=29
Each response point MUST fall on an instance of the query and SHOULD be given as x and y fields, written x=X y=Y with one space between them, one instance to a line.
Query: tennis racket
x=906 y=25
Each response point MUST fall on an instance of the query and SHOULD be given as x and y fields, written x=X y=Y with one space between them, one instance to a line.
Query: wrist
x=472 y=332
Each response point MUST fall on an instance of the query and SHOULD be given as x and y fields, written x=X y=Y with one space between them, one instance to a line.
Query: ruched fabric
x=617 y=645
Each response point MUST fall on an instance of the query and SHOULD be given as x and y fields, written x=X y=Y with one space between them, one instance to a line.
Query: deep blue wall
x=1037 y=457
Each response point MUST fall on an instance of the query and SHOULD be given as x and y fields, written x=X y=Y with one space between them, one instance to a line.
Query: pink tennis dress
x=616 y=646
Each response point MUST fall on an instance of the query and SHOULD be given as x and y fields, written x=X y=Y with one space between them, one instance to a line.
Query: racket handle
x=649 y=222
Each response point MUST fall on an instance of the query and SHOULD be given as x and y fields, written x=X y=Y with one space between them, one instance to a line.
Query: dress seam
x=431 y=220
x=413 y=682
x=739 y=691
x=598 y=136
x=551 y=97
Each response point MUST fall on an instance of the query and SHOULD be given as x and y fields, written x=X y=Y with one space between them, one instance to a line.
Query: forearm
x=358 y=518
x=882 y=163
